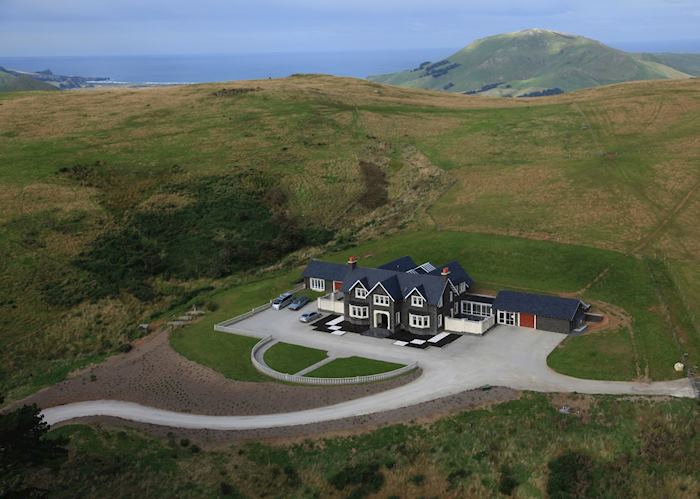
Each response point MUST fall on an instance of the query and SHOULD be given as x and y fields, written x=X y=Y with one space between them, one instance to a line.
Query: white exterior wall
x=467 y=326
x=328 y=305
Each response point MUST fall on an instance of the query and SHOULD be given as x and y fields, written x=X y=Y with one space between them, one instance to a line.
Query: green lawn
x=495 y=262
x=605 y=355
x=353 y=366
x=229 y=353
x=291 y=359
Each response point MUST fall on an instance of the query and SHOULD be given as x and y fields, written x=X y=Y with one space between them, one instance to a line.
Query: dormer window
x=417 y=301
x=360 y=292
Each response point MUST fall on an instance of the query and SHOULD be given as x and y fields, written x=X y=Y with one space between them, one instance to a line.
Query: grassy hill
x=685 y=63
x=120 y=206
x=19 y=83
x=531 y=61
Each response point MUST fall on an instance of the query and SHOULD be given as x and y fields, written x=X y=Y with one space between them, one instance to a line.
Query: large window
x=417 y=300
x=419 y=321
x=507 y=318
x=381 y=300
x=317 y=284
x=359 y=312
x=360 y=292
x=475 y=308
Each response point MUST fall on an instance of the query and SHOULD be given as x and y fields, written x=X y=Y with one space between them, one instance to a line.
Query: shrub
x=570 y=476
x=417 y=479
x=507 y=482
x=367 y=478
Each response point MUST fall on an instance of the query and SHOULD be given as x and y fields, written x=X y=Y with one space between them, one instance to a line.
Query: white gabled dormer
x=358 y=291
x=416 y=298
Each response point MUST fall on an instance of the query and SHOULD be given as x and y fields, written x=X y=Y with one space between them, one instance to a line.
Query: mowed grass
x=290 y=359
x=229 y=353
x=497 y=262
x=348 y=367
x=592 y=357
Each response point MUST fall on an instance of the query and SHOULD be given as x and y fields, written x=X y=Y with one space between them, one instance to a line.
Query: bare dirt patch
x=154 y=374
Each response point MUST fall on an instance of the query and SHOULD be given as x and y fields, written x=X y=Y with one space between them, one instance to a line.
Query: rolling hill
x=531 y=63
x=118 y=206
x=10 y=82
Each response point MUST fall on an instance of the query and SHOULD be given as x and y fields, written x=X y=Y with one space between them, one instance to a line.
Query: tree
x=23 y=445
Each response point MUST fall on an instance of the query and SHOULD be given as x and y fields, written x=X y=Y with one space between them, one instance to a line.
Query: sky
x=113 y=27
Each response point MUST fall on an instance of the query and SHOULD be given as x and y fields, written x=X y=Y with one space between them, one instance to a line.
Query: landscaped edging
x=292 y=378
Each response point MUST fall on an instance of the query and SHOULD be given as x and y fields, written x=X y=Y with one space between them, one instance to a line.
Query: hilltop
x=536 y=62
x=13 y=82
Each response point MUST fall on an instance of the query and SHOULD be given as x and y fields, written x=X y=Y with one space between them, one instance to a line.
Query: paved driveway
x=505 y=356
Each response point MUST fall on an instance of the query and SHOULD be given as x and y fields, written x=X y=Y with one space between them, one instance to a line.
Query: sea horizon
x=204 y=68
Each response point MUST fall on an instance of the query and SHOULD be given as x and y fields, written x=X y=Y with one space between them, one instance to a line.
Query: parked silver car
x=310 y=316
x=299 y=302
x=282 y=301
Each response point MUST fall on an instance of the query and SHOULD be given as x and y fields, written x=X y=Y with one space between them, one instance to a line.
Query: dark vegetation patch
x=235 y=223
x=376 y=192
x=232 y=92
x=485 y=88
x=544 y=93
x=362 y=480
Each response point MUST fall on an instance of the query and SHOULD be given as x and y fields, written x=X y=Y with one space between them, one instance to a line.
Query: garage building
x=547 y=313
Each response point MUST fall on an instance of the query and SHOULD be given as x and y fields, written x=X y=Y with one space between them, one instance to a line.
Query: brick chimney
x=352 y=261
x=445 y=272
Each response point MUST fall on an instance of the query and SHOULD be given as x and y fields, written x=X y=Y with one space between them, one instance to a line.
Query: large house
x=428 y=299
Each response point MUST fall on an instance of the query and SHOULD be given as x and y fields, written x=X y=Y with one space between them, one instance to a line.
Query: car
x=299 y=302
x=282 y=301
x=310 y=316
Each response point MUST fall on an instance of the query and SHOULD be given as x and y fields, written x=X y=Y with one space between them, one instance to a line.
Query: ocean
x=164 y=69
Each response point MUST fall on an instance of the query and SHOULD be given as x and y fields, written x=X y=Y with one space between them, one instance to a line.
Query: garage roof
x=554 y=307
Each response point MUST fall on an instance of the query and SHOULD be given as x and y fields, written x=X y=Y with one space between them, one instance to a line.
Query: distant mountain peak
x=531 y=62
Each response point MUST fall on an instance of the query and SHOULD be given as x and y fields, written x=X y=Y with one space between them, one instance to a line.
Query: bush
x=507 y=482
x=570 y=476
x=417 y=479
x=367 y=478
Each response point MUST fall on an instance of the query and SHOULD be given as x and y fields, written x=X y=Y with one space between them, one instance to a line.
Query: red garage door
x=527 y=320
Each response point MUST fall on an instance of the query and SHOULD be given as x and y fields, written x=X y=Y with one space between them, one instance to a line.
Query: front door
x=337 y=285
x=381 y=320
x=527 y=320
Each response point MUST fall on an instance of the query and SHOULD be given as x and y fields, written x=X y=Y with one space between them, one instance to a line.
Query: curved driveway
x=514 y=358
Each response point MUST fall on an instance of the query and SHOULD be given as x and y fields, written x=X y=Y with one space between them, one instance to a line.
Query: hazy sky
x=95 y=27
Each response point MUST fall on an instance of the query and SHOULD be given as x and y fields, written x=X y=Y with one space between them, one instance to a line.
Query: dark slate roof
x=403 y=264
x=326 y=270
x=457 y=274
x=397 y=284
x=479 y=298
x=554 y=307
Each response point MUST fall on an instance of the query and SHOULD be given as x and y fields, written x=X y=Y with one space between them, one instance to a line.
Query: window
x=419 y=321
x=359 y=312
x=398 y=318
x=381 y=300
x=474 y=308
x=507 y=318
x=452 y=296
x=360 y=292
x=416 y=301
x=462 y=287
x=440 y=320
x=317 y=284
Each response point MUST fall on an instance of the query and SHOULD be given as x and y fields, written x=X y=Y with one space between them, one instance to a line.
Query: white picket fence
x=292 y=378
